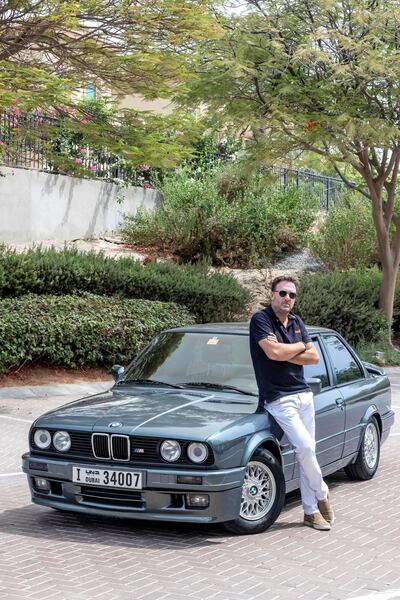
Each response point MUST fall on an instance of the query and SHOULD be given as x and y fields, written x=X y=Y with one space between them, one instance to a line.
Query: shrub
x=347 y=237
x=368 y=352
x=216 y=297
x=345 y=301
x=236 y=227
x=74 y=331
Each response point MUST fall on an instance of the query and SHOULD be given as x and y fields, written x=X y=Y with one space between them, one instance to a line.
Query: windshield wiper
x=218 y=386
x=150 y=382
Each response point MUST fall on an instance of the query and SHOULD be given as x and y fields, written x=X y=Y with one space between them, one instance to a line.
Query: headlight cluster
x=171 y=450
x=61 y=440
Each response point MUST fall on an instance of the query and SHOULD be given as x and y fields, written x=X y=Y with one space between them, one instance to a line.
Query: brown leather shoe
x=316 y=521
x=326 y=510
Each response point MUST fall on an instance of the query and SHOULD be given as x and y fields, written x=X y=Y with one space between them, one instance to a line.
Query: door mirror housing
x=315 y=384
x=117 y=371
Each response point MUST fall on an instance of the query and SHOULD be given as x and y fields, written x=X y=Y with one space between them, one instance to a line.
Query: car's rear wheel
x=367 y=460
x=263 y=494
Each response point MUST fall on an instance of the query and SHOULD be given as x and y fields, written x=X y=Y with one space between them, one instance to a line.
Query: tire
x=367 y=460
x=263 y=495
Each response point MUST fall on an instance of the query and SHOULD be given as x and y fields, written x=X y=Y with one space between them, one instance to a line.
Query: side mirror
x=315 y=384
x=117 y=372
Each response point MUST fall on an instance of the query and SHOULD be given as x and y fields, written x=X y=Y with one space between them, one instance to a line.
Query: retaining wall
x=36 y=206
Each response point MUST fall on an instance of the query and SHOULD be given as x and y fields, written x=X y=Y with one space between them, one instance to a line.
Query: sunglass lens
x=283 y=293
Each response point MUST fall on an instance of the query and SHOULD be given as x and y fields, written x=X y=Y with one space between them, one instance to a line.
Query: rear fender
x=372 y=411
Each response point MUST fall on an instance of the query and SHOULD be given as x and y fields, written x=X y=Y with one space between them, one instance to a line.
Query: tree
x=321 y=76
x=51 y=49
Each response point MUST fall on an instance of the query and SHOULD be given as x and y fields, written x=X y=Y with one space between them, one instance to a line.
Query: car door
x=353 y=385
x=329 y=410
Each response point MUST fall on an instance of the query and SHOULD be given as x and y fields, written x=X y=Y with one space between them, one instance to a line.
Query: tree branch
x=350 y=184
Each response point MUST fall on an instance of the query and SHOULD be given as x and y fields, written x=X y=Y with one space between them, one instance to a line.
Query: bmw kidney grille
x=114 y=446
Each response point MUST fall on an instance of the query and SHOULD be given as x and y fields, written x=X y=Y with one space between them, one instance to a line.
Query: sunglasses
x=283 y=293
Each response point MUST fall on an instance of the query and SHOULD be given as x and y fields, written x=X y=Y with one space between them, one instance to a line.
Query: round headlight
x=62 y=441
x=197 y=452
x=170 y=450
x=42 y=439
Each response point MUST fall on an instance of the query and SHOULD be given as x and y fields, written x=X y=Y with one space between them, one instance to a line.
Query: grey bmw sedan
x=180 y=436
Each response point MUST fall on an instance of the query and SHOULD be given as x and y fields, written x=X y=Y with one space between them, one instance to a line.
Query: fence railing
x=328 y=189
x=21 y=146
x=43 y=142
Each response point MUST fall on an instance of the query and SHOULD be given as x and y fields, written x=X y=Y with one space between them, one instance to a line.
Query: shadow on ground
x=32 y=521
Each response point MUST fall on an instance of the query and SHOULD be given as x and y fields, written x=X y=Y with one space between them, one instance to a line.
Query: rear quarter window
x=343 y=362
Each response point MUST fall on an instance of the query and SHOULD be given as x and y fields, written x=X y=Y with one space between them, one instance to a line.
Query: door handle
x=340 y=403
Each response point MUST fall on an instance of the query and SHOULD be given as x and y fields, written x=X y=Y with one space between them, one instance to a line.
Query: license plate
x=107 y=478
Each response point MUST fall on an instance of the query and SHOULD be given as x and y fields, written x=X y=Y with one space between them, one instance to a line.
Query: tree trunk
x=387 y=293
x=388 y=250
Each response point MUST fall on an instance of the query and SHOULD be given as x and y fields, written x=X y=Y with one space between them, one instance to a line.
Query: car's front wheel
x=263 y=494
x=367 y=460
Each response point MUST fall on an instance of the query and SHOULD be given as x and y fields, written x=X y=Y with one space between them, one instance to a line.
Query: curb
x=56 y=389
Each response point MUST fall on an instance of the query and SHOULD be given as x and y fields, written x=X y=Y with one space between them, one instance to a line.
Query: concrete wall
x=37 y=206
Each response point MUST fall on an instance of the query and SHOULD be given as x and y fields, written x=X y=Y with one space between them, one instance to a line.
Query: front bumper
x=161 y=499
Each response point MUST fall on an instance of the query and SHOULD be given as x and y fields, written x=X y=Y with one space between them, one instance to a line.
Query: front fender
x=261 y=439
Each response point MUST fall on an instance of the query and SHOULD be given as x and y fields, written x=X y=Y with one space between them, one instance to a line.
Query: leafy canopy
x=49 y=48
x=319 y=75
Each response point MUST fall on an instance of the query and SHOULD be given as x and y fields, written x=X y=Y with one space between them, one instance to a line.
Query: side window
x=318 y=370
x=343 y=363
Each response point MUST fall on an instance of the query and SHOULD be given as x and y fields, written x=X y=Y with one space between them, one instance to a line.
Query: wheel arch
x=373 y=411
x=269 y=443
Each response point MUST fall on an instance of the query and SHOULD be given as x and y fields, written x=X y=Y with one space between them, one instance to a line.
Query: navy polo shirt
x=276 y=378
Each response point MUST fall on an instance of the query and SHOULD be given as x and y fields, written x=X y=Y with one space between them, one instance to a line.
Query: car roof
x=241 y=328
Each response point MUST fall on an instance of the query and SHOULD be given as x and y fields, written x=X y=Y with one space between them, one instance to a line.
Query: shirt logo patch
x=297 y=331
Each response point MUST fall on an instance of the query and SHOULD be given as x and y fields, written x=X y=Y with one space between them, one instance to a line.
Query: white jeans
x=296 y=416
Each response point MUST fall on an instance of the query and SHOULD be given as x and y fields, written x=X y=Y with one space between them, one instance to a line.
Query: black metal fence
x=328 y=189
x=36 y=141
x=45 y=143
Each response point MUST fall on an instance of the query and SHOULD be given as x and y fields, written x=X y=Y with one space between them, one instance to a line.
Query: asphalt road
x=45 y=554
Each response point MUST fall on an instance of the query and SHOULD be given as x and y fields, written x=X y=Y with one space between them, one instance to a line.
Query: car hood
x=182 y=414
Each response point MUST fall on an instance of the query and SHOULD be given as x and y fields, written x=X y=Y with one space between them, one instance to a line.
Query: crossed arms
x=298 y=353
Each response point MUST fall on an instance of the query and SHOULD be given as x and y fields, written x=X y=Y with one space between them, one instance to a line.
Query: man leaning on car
x=280 y=345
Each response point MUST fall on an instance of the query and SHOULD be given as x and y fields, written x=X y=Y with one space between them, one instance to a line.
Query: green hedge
x=345 y=301
x=80 y=331
x=216 y=297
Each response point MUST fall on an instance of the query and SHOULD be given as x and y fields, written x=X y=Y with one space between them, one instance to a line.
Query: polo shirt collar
x=270 y=311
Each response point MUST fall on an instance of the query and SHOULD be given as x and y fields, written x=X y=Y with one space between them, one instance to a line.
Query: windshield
x=194 y=358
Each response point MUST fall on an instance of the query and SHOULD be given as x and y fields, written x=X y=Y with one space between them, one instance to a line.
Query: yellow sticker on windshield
x=213 y=341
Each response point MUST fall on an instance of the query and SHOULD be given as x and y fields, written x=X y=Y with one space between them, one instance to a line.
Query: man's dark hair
x=277 y=280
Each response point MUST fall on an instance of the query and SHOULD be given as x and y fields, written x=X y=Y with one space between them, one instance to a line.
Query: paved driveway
x=45 y=554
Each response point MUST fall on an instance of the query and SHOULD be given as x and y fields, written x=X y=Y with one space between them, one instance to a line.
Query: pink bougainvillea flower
x=178 y=132
x=147 y=185
x=15 y=110
x=2 y=143
x=92 y=168
x=83 y=150
x=68 y=110
x=78 y=161
x=84 y=121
